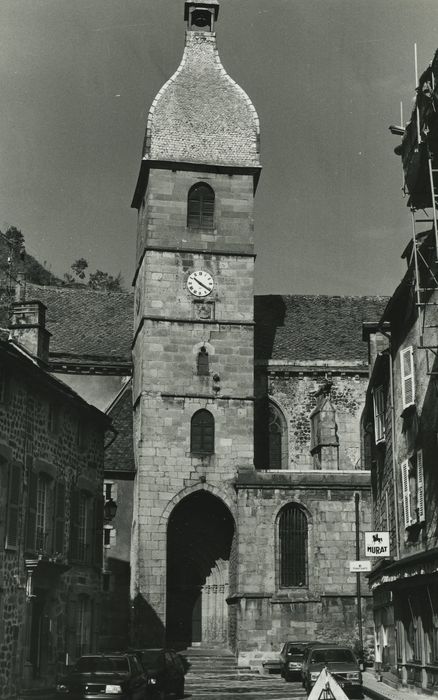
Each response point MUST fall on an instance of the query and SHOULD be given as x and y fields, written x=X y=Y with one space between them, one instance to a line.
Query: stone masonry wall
x=171 y=326
x=27 y=440
x=326 y=607
x=295 y=396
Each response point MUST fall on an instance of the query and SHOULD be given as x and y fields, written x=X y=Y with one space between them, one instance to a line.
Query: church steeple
x=200 y=115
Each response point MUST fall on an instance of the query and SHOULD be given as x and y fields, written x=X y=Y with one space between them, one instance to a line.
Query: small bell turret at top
x=201 y=16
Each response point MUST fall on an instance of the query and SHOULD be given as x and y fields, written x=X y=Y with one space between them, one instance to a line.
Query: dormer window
x=200 y=207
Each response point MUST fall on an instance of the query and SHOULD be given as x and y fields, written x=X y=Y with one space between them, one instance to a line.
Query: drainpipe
x=358 y=587
x=393 y=437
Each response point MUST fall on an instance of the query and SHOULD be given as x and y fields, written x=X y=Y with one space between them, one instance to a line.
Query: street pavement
x=214 y=675
x=241 y=685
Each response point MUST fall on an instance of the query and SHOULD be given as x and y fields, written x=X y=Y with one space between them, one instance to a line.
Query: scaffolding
x=419 y=152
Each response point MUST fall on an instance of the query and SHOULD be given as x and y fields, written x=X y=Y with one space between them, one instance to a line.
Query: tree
x=105 y=281
x=15 y=238
x=79 y=266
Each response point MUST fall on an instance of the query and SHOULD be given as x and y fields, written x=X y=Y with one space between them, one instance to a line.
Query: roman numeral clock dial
x=200 y=283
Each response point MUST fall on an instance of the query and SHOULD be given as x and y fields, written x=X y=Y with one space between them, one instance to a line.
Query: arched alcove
x=200 y=535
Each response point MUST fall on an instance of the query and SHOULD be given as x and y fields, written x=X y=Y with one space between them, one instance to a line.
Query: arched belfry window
x=202 y=362
x=200 y=206
x=202 y=433
x=292 y=538
x=277 y=439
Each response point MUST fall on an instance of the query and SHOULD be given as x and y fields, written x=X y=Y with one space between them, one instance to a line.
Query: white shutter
x=406 y=493
x=407 y=376
x=379 y=414
x=420 y=486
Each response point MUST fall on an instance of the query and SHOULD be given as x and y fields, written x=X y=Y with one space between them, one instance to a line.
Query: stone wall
x=295 y=395
x=66 y=445
x=325 y=608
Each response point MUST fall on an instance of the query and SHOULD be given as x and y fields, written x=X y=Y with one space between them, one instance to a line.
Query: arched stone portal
x=200 y=535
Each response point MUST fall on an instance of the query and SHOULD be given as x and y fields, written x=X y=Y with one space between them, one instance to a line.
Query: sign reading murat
x=376 y=544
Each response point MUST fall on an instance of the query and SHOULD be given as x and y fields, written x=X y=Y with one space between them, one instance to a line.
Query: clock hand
x=203 y=285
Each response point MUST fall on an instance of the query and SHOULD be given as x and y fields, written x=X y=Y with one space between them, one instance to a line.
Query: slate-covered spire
x=201 y=115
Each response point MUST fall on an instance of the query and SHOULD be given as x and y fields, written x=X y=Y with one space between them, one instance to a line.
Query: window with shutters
x=59 y=519
x=53 y=418
x=13 y=506
x=3 y=385
x=277 y=436
x=83 y=625
x=293 y=545
x=202 y=363
x=86 y=527
x=42 y=513
x=413 y=489
x=200 y=206
x=202 y=433
x=407 y=376
x=379 y=414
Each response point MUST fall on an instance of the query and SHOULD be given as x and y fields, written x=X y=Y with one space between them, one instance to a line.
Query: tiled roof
x=201 y=115
x=87 y=323
x=301 y=327
x=99 y=325
x=119 y=456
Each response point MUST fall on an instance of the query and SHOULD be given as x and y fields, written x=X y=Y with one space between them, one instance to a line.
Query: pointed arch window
x=277 y=439
x=202 y=433
x=293 y=538
x=202 y=363
x=200 y=206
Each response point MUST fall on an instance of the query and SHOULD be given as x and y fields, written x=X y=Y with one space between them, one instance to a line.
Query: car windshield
x=320 y=656
x=102 y=664
x=151 y=657
x=295 y=650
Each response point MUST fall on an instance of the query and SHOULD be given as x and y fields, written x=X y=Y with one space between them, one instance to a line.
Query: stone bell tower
x=193 y=343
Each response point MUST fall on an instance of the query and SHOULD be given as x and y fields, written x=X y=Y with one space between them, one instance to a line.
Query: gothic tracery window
x=200 y=206
x=292 y=538
x=277 y=439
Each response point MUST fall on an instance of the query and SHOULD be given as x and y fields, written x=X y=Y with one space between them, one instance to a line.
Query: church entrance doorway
x=200 y=534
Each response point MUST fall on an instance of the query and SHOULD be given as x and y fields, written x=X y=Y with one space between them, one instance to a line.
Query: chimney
x=28 y=324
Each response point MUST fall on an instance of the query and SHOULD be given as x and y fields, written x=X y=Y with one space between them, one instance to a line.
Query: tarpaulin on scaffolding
x=420 y=139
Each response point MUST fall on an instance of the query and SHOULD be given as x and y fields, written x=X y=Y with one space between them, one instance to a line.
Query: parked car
x=340 y=662
x=291 y=660
x=104 y=676
x=165 y=670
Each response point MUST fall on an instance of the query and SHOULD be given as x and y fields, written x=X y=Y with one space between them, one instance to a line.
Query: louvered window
x=202 y=433
x=379 y=414
x=200 y=207
x=292 y=531
x=202 y=364
x=407 y=376
x=413 y=489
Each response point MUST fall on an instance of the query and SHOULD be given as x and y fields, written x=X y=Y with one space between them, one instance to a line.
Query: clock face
x=200 y=283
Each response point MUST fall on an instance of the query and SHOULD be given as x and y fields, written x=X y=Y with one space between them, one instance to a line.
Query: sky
x=326 y=76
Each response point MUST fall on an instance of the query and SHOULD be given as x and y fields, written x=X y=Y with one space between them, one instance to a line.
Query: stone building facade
x=401 y=424
x=244 y=494
x=401 y=427
x=51 y=474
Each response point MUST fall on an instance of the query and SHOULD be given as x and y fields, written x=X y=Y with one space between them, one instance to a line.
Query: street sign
x=377 y=544
x=359 y=566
